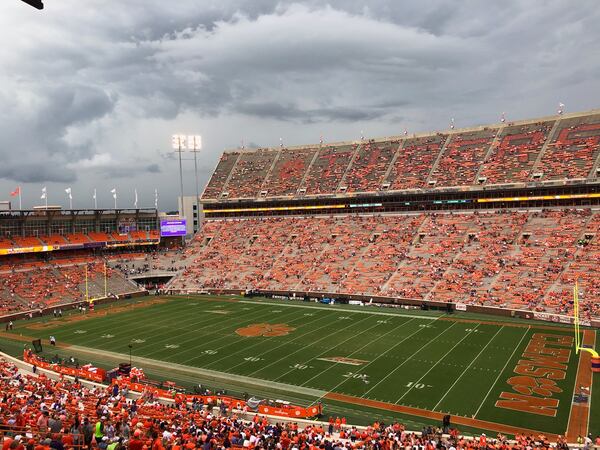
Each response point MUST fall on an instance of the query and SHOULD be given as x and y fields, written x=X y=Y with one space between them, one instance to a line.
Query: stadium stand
x=39 y=412
x=413 y=164
x=497 y=258
x=462 y=157
x=572 y=151
x=287 y=173
x=249 y=173
x=370 y=165
x=552 y=149
x=518 y=148
x=220 y=175
x=327 y=171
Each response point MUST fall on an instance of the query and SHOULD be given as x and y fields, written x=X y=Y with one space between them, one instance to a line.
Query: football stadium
x=435 y=289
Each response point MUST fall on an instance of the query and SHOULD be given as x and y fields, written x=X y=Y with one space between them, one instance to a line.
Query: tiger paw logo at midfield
x=265 y=329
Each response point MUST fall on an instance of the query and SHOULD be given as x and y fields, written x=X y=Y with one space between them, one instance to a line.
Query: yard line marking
x=273 y=337
x=376 y=313
x=358 y=350
x=408 y=359
x=328 y=324
x=468 y=367
x=304 y=348
x=501 y=372
x=330 y=348
x=469 y=333
x=110 y=325
x=194 y=331
x=361 y=370
x=218 y=338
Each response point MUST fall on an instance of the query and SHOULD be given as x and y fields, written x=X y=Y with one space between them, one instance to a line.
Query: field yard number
x=80 y=331
x=382 y=321
x=209 y=352
x=343 y=318
x=357 y=376
x=108 y=336
x=252 y=358
x=308 y=314
x=425 y=326
x=301 y=366
x=138 y=341
x=472 y=330
x=172 y=346
x=412 y=384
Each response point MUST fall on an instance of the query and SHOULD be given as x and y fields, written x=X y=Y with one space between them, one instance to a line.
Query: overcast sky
x=92 y=90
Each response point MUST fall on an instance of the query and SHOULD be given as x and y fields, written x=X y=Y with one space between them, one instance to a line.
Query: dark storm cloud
x=94 y=94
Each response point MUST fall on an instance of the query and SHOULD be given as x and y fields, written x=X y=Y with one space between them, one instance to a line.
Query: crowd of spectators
x=37 y=413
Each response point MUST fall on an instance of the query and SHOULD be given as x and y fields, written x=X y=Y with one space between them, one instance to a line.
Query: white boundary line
x=468 y=367
x=469 y=334
x=501 y=372
x=375 y=313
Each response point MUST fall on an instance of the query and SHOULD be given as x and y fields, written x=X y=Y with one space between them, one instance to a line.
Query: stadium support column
x=195 y=144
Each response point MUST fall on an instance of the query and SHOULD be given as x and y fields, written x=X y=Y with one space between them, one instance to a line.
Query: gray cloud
x=89 y=98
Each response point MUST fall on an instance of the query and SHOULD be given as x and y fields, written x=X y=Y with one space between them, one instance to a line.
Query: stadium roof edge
x=425 y=134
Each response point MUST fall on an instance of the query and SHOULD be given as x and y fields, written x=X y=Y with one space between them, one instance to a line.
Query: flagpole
x=95 y=199
x=20 y=207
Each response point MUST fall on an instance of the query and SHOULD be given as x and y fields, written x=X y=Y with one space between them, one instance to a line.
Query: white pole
x=95 y=199
x=20 y=207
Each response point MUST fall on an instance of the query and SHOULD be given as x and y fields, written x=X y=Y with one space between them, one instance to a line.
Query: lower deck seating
x=510 y=259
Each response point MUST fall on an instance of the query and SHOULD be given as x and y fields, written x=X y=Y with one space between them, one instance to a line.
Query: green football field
x=459 y=364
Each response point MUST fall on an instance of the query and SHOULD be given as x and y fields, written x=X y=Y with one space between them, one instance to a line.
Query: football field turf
x=407 y=362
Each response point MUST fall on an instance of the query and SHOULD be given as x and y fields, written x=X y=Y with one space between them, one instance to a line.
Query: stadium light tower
x=179 y=143
x=194 y=145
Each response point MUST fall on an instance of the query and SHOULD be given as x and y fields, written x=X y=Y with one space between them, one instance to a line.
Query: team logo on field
x=265 y=329
x=343 y=360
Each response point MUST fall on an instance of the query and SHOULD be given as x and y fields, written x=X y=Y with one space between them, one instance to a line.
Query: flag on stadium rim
x=16 y=192
x=44 y=193
x=135 y=202
x=68 y=191
x=561 y=107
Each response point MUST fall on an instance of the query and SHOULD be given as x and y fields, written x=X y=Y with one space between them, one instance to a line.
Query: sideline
x=375 y=313
x=580 y=412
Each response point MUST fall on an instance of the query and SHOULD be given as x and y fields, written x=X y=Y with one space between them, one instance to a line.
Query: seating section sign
x=169 y=228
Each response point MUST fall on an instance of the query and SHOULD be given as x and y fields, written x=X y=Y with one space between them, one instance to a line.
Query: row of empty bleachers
x=512 y=153
x=371 y=163
x=219 y=177
x=327 y=171
x=573 y=149
x=505 y=258
x=462 y=157
x=249 y=173
x=76 y=238
x=415 y=159
x=285 y=178
x=517 y=150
